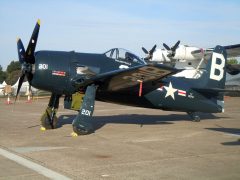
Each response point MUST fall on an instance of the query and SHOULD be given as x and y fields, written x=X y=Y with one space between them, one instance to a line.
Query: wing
x=128 y=78
x=132 y=77
x=232 y=51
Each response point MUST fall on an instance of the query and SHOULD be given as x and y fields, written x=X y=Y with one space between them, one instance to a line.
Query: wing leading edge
x=232 y=51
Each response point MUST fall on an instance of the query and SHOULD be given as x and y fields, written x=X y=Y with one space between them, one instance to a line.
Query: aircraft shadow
x=234 y=131
x=100 y=121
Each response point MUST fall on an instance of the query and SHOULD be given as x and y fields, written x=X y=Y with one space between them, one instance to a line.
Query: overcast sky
x=98 y=25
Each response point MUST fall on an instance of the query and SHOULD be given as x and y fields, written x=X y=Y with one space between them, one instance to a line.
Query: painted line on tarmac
x=31 y=165
x=34 y=149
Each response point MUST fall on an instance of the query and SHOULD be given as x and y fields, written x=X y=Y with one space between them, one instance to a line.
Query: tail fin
x=214 y=77
x=216 y=68
x=212 y=82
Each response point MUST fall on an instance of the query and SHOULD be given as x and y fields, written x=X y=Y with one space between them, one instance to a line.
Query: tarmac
x=128 y=143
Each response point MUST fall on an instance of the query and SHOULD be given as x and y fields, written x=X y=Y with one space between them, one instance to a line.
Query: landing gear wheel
x=194 y=117
x=46 y=122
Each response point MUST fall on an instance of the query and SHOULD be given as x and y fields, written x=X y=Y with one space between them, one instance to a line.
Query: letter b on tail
x=216 y=69
x=217 y=66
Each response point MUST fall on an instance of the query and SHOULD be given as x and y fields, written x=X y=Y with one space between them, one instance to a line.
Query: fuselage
x=54 y=71
x=168 y=94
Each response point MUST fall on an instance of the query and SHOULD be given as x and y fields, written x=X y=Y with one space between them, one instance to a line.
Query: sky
x=95 y=26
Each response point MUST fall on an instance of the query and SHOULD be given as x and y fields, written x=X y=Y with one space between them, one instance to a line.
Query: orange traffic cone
x=8 y=100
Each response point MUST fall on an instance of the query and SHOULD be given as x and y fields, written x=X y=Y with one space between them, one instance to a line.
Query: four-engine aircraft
x=192 y=59
x=118 y=76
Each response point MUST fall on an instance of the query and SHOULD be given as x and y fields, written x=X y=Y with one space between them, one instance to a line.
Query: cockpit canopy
x=124 y=56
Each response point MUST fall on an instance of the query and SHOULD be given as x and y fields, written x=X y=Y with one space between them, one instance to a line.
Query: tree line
x=12 y=73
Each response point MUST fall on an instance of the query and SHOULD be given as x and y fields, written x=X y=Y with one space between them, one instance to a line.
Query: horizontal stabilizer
x=215 y=90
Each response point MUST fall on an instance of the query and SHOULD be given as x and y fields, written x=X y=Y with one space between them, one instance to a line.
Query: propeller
x=26 y=58
x=171 y=50
x=149 y=53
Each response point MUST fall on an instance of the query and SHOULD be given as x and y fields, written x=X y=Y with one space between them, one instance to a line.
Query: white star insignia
x=170 y=91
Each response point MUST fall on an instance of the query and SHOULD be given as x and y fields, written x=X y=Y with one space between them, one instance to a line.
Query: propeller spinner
x=26 y=58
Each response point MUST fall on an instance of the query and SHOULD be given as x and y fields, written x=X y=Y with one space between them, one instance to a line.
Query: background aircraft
x=190 y=58
x=118 y=76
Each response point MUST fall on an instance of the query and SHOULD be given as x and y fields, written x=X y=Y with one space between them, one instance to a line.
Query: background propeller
x=149 y=53
x=171 y=50
x=26 y=58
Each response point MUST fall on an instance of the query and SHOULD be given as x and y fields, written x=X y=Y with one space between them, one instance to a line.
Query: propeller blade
x=144 y=50
x=166 y=47
x=32 y=44
x=29 y=77
x=149 y=53
x=26 y=58
x=153 y=49
x=30 y=90
x=21 y=51
x=175 y=46
x=19 y=85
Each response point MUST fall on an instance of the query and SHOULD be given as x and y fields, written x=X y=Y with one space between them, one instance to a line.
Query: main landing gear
x=82 y=123
x=49 y=118
x=194 y=116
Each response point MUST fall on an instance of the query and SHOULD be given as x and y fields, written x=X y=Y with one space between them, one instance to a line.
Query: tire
x=83 y=129
x=45 y=121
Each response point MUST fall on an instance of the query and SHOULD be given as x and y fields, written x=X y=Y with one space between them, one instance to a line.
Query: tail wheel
x=194 y=116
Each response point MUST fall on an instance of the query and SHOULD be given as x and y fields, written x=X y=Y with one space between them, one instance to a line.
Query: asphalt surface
x=128 y=143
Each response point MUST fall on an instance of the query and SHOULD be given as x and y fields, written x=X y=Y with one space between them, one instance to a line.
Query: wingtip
x=39 y=22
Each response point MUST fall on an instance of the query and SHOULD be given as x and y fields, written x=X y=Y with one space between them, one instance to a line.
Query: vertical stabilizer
x=216 y=69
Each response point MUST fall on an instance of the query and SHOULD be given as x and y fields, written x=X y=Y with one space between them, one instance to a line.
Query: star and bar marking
x=171 y=91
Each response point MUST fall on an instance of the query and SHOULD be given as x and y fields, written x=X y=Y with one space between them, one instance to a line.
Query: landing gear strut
x=194 y=116
x=82 y=123
x=49 y=118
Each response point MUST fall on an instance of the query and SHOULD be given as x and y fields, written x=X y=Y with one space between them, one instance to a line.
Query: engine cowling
x=185 y=53
x=51 y=71
x=160 y=55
